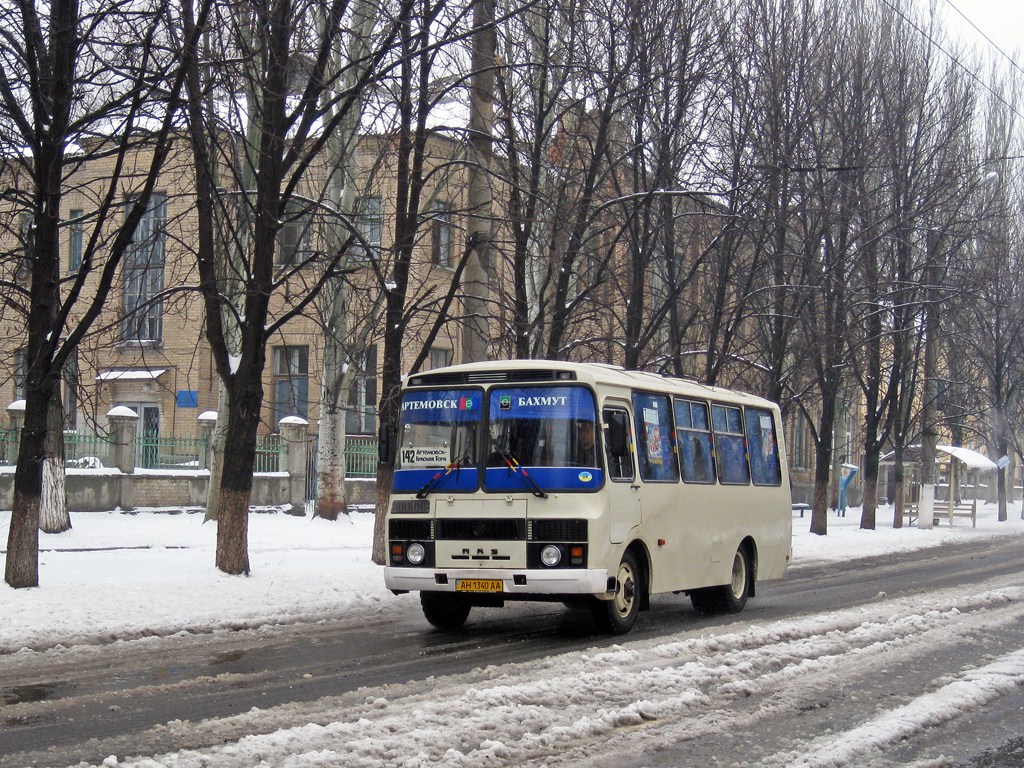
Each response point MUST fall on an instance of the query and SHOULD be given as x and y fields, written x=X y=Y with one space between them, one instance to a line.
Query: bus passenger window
x=693 y=436
x=620 y=462
x=655 y=446
x=762 y=447
x=730 y=451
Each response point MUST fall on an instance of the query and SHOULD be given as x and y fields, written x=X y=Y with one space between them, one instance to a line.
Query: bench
x=801 y=507
x=965 y=509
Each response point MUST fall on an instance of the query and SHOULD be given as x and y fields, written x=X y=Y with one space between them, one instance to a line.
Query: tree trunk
x=869 y=503
x=217 y=443
x=22 y=565
x=331 y=467
x=236 y=481
x=898 y=494
x=53 y=509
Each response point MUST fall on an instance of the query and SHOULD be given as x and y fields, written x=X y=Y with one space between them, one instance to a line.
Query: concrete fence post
x=207 y=424
x=16 y=415
x=294 y=436
x=123 y=423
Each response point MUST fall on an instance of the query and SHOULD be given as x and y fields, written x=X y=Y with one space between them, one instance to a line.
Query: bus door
x=621 y=486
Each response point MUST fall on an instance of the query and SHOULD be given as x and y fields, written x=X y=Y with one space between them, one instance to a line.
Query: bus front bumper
x=557 y=581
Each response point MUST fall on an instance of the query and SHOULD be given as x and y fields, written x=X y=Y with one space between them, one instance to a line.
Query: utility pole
x=476 y=281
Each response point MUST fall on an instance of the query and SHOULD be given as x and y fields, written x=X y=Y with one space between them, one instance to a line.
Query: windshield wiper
x=436 y=479
x=515 y=466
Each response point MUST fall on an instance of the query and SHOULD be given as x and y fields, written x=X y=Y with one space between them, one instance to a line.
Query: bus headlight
x=416 y=553
x=551 y=555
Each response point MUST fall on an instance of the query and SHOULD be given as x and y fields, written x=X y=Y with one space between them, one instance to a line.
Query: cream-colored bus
x=502 y=493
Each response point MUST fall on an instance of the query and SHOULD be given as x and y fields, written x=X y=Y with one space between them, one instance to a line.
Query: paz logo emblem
x=505 y=402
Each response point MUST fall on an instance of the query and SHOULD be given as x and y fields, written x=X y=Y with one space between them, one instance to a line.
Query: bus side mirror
x=383 y=444
x=618 y=434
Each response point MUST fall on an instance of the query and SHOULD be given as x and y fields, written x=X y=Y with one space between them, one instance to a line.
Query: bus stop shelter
x=957 y=491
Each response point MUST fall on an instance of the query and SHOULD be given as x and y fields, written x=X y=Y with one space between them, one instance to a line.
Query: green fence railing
x=269 y=454
x=8 y=447
x=170 y=452
x=360 y=456
x=87 y=450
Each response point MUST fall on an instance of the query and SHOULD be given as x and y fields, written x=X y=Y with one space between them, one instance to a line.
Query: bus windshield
x=549 y=430
x=438 y=432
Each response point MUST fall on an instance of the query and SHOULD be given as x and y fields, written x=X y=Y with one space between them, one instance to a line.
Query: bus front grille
x=558 y=530
x=481 y=530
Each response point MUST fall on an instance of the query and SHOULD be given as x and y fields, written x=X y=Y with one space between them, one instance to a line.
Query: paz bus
x=582 y=483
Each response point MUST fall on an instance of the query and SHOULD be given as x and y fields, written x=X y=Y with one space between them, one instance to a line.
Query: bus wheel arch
x=618 y=615
x=732 y=596
x=751 y=547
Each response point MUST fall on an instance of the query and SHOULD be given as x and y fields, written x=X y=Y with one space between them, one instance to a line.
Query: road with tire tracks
x=861 y=663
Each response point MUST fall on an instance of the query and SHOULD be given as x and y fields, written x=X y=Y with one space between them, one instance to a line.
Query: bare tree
x=295 y=106
x=986 y=317
x=77 y=85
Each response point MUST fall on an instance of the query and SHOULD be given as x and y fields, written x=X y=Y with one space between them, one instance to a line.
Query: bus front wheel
x=444 y=610
x=731 y=597
x=618 y=615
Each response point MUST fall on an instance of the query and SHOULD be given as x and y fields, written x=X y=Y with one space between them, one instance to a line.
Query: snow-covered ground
x=122 y=576
x=118 y=577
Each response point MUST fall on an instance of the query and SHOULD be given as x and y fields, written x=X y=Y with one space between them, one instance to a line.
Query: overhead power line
x=970 y=73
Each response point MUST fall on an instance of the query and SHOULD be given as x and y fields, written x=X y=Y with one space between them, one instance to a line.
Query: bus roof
x=528 y=371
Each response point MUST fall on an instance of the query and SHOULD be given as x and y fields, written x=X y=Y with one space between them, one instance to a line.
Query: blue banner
x=442 y=406
x=542 y=403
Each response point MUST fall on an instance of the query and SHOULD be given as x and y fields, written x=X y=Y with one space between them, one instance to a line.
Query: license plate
x=478 y=585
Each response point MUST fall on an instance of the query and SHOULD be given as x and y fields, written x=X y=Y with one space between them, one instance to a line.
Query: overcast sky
x=1000 y=20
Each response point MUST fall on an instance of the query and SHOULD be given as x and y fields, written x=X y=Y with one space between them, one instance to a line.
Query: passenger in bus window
x=585 y=454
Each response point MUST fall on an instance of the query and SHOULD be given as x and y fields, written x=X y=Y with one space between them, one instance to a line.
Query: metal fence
x=85 y=450
x=171 y=452
x=8 y=447
x=360 y=456
x=88 y=450
x=269 y=452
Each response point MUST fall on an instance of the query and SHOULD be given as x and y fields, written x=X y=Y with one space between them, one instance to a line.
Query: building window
x=27 y=236
x=76 y=239
x=361 y=415
x=20 y=366
x=71 y=377
x=143 y=275
x=439 y=358
x=291 y=383
x=441 y=235
x=295 y=238
x=369 y=225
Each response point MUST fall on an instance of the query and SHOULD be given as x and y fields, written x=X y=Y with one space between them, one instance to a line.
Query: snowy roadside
x=118 y=577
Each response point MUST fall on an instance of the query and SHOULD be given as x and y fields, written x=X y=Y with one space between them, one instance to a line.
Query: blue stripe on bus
x=547 y=478
x=411 y=480
x=501 y=479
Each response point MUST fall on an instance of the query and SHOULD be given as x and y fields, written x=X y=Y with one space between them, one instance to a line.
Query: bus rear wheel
x=444 y=610
x=731 y=597
x=618 y=615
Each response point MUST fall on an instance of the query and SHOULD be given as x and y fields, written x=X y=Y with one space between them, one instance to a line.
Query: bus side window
x=693 y=436
x=619 y=445
x=730 y=447
x=656 y=437
x=762 y=447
